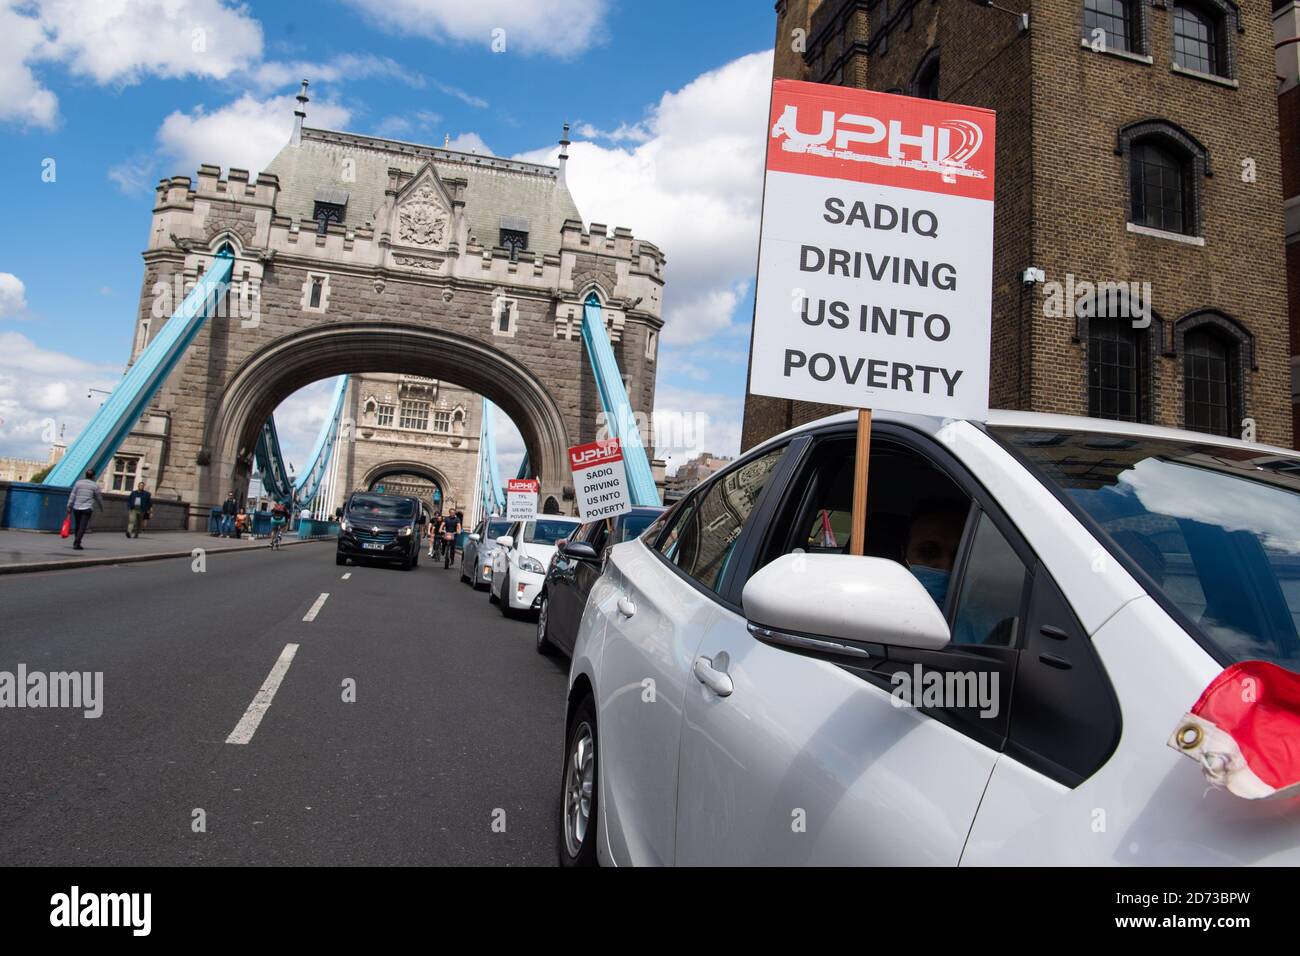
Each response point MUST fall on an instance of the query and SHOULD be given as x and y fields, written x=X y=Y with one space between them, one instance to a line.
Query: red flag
x=1245 y=731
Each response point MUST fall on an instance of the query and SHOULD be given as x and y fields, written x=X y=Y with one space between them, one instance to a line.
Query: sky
x=99 y=100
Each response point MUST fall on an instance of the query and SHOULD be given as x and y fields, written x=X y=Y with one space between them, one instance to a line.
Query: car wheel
x=579 y=790
x=415 y=559
x=544 y=645
x=504 y=601
x=340 y=558
x=492 y=594
x=464 y=578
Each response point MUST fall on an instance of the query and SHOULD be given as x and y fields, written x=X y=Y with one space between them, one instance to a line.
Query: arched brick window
x=1215 y=354
x=1165 y=167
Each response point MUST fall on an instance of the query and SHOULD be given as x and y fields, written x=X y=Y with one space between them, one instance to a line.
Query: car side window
x=992 y=590
x=702 y=539
x=916 y=514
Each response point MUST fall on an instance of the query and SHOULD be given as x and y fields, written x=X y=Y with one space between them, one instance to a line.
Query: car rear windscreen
x=1215 y=528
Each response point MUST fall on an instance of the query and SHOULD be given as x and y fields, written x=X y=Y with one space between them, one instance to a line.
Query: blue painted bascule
x=270 y=464
x=619 y=417
x=99 y=441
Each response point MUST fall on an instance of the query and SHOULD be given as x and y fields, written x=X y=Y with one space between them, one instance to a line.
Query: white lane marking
x=247 y=725
x=315 y=608
x=348 y=575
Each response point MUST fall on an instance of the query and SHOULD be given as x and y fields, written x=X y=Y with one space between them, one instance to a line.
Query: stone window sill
x=1163 y=234
x=1205 y=77
x=1120 y=54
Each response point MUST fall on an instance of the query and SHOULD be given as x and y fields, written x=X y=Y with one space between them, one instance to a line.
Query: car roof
x=1008 y=418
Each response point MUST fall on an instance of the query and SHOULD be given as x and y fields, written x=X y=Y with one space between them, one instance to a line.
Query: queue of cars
x=742 y=690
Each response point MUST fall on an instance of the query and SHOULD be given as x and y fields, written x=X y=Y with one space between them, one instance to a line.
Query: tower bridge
x=354 y=254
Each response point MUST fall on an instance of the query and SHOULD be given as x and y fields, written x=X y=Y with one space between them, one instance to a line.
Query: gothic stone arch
x=405 y=273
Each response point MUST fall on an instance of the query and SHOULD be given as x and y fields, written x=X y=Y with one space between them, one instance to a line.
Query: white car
x=520 y=561
x=743 y=691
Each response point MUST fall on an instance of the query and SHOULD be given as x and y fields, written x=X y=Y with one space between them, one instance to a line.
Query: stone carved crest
x=422 y=218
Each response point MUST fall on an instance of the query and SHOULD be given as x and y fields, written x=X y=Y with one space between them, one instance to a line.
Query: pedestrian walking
x=228 y=511
x=137 y=510
x=82 y=499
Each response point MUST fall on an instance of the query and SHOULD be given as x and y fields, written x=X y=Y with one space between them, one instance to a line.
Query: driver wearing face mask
x=933 y=537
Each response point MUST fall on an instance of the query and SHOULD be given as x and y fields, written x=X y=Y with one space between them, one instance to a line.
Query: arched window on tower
x=1118 y=370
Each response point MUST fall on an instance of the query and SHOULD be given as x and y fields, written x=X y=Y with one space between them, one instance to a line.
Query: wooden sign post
x=861 y=463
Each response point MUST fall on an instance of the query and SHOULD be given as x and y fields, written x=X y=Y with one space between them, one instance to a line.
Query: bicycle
x=277 y=534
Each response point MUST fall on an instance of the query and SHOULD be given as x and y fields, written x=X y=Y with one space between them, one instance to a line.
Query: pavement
x=22 y=551
x=449 y=752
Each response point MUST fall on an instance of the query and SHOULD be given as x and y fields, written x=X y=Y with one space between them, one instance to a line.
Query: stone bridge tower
x=361 y=254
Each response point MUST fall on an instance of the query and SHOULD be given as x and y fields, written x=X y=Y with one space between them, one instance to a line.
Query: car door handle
x=715 y=680
x=626 y=607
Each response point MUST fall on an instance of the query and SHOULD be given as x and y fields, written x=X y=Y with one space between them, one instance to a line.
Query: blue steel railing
x=619 y=416
x=99 y=441
x=270 y=464
x=309 y=485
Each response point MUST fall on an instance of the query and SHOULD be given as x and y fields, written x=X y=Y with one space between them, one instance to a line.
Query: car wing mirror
x=832 y=603
x=580 y=551
x=506 y=541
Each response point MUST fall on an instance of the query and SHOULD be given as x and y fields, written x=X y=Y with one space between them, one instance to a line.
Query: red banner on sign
x=595 y=453
x=523 y=485
x=842 y=133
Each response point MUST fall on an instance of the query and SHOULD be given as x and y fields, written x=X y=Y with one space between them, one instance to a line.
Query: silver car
x=480 y=545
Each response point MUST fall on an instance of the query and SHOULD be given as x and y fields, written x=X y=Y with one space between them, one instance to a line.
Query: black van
x=379 y=527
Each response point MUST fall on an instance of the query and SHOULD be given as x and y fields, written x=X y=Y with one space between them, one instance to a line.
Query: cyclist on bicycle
x=279 y=518
x=450 y=525
x=435 y=534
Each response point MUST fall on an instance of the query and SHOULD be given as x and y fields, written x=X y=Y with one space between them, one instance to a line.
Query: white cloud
x=467 y=98
x=625 y=133
x=689 y=422
x=275 y=74
x=510 y=445
x=246 y=133
x=13 y=295
x=558 y=27
x=41 y=391
x=118 y=43
x=22 y=97
x=470 y=143
x=694 y=188
x=298 y=421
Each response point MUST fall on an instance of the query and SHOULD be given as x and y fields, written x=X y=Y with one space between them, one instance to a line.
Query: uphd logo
x=103 y=909
x=951 y=689
x=1086 y=300
x=945 y=148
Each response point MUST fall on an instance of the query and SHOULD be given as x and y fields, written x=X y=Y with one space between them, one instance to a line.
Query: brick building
x=1286 y=36
x=1137 y=150
x=691 y=473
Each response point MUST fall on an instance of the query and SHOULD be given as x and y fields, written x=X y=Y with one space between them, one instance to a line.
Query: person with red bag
x=83 y=497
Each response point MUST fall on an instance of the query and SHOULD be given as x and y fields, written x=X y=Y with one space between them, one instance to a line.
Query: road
x=456 y=725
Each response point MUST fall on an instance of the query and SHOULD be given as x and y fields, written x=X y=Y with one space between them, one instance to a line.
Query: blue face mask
x=934 y=581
